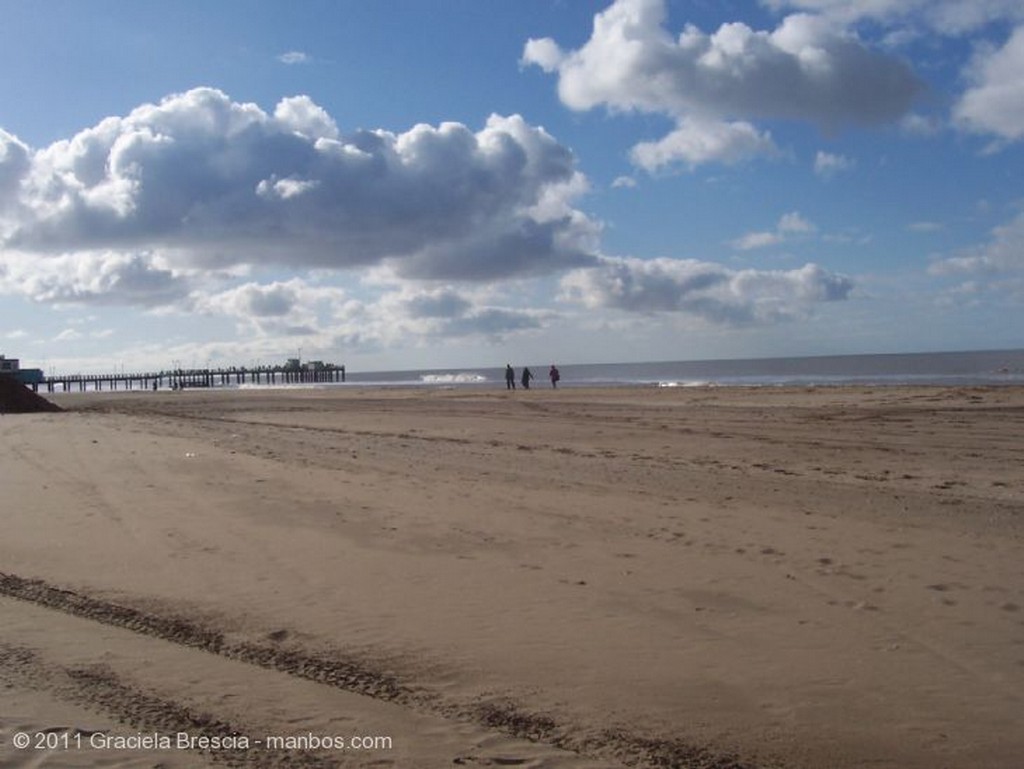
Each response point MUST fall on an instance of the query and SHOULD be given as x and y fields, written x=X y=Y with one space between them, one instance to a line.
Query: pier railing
x=197 y=377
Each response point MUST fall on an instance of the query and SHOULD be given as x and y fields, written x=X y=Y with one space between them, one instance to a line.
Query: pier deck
x=183 y=378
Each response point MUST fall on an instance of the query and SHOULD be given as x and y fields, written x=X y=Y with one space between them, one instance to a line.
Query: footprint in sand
x=942 y=587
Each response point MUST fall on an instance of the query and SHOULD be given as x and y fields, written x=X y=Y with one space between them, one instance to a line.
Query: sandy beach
x=581 y=578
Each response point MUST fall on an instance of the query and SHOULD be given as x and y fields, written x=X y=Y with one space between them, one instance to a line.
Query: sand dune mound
x=15 y=398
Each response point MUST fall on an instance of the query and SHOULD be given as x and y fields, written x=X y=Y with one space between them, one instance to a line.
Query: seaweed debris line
x=16 y=398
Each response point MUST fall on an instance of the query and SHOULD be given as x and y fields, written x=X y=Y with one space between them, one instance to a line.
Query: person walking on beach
x=527 y=376
x=510 y=377
x=555 y=376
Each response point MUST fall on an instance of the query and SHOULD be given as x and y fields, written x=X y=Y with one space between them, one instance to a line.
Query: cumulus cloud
x=696 y=142
x=948 y=17
x=287 y=308
x=94 y=277
x=427 y=317
x=543 y=52
x=441 y=303
x=209 y=182
x=994 y=104
x=709 y=291
x=789 y=225
x=191 y=205
x=1003 y=253
x=15 y=161
x=827 y=164
x=805 y=69
x=754 y=240
x=446 y=313
x=303 y=116
x=327 y=315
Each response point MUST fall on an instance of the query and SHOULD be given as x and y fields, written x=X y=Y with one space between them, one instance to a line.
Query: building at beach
x=13 y=367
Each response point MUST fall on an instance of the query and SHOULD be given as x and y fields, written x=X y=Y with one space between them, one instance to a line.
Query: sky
x=410 y=184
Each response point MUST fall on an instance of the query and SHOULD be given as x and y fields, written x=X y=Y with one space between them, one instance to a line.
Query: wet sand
x=571 y=579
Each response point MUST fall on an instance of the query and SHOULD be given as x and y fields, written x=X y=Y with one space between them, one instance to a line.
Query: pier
x=177 y=379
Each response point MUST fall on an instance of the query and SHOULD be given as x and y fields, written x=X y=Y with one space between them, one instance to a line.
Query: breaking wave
x=443 y=379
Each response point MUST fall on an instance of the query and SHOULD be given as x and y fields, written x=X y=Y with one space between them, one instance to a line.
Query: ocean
x=990 y=367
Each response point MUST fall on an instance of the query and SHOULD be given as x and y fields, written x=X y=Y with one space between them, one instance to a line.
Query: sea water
x=987 y=367
x=990 y=367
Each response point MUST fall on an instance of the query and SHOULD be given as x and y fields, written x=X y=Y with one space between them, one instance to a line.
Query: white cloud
x=754 y=240
x=827 y=164
x=446 y=314
x=192 y=204
x=295 y=57
x=947 y=17
x=283 y=189
x=1004 y=252
x=794 y=222
x=709 y=291
x=93 y=277
x=805 y=69
x=790 y=225
x=545 y=53
x=436 y=303
x=995 y=101
x=424 y=317
x=282 y=308
x=210 y=183
x=15 y=161
x=306 y=118
x=401 y=315
x=696 y=142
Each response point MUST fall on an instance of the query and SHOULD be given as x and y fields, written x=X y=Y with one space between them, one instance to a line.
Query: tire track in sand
x=100 y=686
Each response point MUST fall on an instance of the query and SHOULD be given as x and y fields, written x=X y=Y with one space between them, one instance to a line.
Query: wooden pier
x=177 y=379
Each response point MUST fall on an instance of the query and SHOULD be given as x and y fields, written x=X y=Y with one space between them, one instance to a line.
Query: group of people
x=510 y=377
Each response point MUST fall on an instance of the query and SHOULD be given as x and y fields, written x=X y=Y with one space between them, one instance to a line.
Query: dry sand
x=572 y=579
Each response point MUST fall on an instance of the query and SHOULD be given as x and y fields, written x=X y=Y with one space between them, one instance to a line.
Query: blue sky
x=398 y=184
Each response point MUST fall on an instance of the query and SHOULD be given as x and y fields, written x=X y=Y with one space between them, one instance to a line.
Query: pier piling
x=324 y=373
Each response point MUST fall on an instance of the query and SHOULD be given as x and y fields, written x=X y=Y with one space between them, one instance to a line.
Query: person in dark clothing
x=555 y=376
x=527 y=376
x=510 y=377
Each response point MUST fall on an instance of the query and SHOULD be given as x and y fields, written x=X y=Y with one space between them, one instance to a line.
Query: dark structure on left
x=15 y=397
